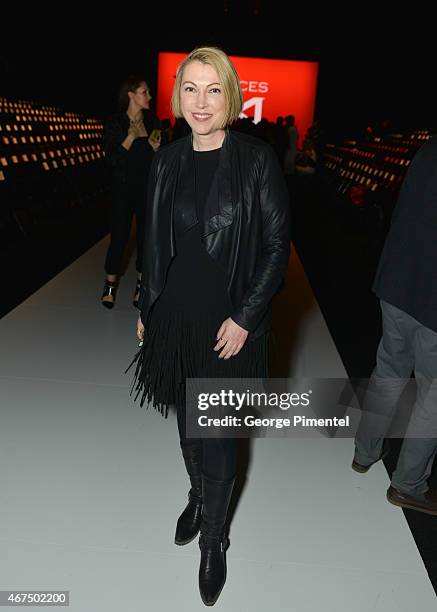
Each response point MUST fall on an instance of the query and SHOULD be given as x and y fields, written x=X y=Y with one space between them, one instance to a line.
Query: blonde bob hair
x=228 y=78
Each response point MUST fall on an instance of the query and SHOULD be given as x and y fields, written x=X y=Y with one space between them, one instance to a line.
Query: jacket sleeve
x=115 y=153
x=275 y=248
x=151 y=185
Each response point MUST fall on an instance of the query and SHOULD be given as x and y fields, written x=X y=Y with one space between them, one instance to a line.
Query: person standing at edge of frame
x=130 y=139
x=405 y=283
x=216 y=251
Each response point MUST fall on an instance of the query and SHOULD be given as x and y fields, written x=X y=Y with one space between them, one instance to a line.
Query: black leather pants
x=219 y=455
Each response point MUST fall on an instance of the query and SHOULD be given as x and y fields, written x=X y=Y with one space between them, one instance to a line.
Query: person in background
x=291 y=151
x=405 y=283
x=131 y=138
x=306 y=160
x=281 y=139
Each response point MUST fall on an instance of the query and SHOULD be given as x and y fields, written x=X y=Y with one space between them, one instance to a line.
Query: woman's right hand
x=140 y=329
x=137 y=129
x=132 y=131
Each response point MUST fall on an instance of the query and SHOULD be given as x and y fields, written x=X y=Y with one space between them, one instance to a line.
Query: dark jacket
x=407 y=272
x=246 y=228
x=114 y=133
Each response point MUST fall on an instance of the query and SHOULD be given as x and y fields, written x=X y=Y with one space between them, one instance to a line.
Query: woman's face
x=202 y=98
x=141 y=96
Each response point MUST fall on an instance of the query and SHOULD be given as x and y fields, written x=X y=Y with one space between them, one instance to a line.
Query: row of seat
x=17 y=122
x=36 y=136
x=8 y=128
x=31 y=107
x=7 y=141
x=379 y=164
x=368 y=174
x=50 y=160
x=47 y=159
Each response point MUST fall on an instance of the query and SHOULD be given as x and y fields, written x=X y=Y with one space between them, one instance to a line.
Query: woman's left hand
x=231 y=338
x=155 y=143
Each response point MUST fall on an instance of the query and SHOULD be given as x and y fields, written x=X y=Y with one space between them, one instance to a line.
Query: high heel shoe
x=109 y=288
x=137 y=292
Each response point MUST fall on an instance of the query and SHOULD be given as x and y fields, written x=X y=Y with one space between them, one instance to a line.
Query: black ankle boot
x=213 y=541
x=189 y=521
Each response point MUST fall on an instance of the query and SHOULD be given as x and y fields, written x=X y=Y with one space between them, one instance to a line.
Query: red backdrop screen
x=271 y=87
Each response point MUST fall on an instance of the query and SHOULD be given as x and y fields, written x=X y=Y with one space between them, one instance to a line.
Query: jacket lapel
x=184 y=199
x=219 y=207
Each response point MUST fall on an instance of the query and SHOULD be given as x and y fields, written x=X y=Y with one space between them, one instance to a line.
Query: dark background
x=371 y=67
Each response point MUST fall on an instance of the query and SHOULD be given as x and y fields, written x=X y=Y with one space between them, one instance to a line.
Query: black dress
x=182 y=327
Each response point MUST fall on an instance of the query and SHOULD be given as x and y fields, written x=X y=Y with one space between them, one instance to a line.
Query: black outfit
x=217 y=245
x=407 y=273
x=406 y=283
x=245 y=227
x=225 y=257
x=130 y=171
x=183 y=324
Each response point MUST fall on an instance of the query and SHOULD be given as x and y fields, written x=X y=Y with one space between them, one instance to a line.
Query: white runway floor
x=92 y=484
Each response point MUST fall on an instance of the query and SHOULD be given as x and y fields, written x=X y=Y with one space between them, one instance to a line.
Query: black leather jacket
x=246 y=228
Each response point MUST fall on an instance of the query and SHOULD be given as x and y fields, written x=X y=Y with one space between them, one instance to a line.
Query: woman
x=306 y=160
x=291 y=152
x=129 y=143
x=216 y=250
